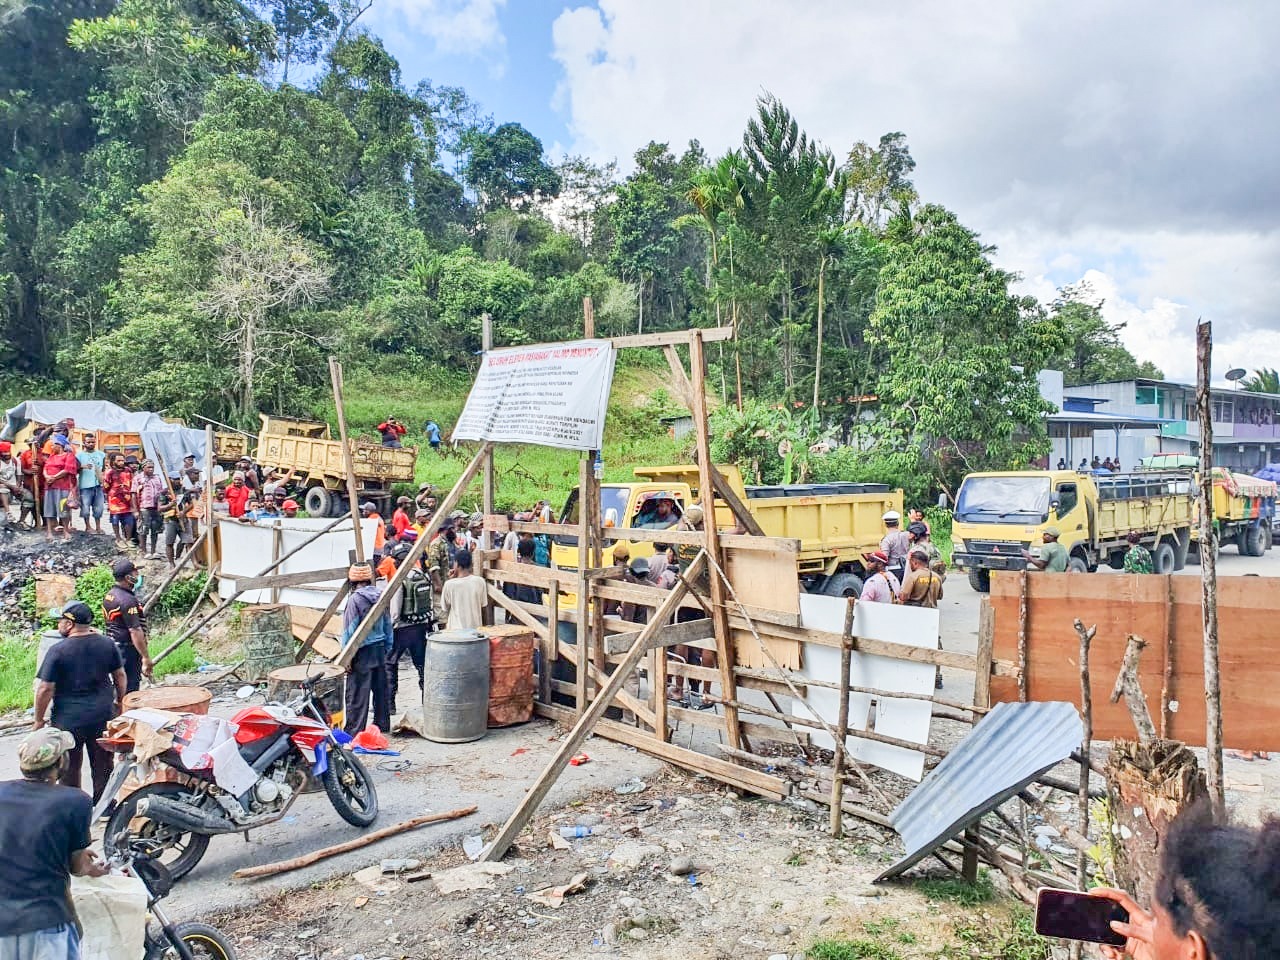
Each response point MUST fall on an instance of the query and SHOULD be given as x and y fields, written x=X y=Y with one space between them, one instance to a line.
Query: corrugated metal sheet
x=1010 y=747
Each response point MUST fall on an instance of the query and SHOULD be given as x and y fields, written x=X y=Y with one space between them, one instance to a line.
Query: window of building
x=1146 y=395
x=1222 y=409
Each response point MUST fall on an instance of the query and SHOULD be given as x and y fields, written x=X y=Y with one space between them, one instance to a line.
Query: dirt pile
x=24 y=553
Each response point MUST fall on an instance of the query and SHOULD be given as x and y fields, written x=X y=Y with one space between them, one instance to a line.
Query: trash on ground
x=553 y=897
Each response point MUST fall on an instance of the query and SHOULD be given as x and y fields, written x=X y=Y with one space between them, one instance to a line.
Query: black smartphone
x=1078 y=916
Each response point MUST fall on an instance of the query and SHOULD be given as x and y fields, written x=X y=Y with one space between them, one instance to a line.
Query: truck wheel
x=1162 y=558
x=1115 y=560
x=843 y=585
x=1256 y=542
x=980 y=579
x=317 y=502
x=1077 y=565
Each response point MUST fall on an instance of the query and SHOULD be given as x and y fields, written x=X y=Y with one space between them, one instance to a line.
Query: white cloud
x=455 y=26
x=1126 y=143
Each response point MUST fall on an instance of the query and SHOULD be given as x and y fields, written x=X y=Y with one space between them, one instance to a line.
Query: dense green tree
x=1263 y=380
x=506 y=166
x=961 y=354
x=1092 y=351
x=302 y=29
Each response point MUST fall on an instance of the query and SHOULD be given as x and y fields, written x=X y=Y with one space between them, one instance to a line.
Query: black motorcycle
x=166 y=940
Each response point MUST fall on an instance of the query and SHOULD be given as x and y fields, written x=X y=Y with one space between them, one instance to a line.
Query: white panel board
x=902 y=719
x=246 y=549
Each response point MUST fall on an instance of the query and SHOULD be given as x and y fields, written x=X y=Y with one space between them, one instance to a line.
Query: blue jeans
x=54 y=943
x=92 y=501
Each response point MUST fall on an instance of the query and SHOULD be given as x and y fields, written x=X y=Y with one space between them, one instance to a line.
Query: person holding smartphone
x=1215 y=896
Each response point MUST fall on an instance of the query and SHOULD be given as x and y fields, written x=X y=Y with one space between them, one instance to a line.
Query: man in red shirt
x=118 y=482
x=400 y=521
x=237 y=495
x=61 y=471
x=392 y=430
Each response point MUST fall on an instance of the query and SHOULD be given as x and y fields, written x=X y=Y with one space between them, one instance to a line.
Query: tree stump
x=1148 y=785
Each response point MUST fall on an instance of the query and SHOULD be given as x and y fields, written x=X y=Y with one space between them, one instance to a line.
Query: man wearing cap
x=919 y=536
x=289 y=508
x=895 y=543
x=10 y=481
x=1137 y=558
x=400 y=521
x=880 y=586
x=369 y=511
x=391 y=431
x=83 y=677
x=1053 y=555
x=663 y=516
x=440 y=553
x=367 y=674
x=424 y=494
x=127 y=624
x=44 y=841
x=411 y=612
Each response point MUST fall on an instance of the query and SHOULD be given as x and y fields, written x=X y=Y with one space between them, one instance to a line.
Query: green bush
x=17 y=671
x=179 y=597
x=91 y=587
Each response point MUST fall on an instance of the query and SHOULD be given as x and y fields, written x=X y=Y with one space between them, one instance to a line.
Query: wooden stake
x=842 y=724
x=490 y=482
x=353 y=493
x=1209 y=574
x=209 y=581
x=411 y=561
x=1127 y=684
x=583 y=626
x=581 y=730
x=209 y=546
x=297 y=863
x=985 y=654
x=548 y=642
x=182 y=561
x=1166 y=687
x=706 y=492
x=1086 y=746
x=1023 y=682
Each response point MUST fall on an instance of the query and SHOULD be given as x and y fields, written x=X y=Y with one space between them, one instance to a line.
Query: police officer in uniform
x=127 y=624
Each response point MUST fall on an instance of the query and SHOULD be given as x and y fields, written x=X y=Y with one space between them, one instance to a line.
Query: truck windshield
x=611 y=499
x=996 y=499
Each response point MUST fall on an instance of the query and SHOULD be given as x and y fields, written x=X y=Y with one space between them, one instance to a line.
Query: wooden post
x=1086 y=747
x=409 y=562
x=1023 y=682
x=985 y=653
x=707 y=493
x=490 y=483
x=549 y=649
x=1209 y=573
x=1166 y=687
x=209 y=546
x=842 y=723
x=584 y=597
x=353 y=494
x=277 y=544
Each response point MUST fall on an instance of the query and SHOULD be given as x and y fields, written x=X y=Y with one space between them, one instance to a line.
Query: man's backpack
x=416 y=607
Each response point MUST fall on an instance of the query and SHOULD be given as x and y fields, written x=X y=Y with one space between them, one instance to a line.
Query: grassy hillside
x=634 y=433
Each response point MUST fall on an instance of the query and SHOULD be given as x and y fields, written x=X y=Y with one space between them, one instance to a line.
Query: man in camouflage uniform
x=1138 y=558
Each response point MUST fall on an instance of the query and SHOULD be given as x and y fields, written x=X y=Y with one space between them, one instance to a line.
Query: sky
x=1129 y=145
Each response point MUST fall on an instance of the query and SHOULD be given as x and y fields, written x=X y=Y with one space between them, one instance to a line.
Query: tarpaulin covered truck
x=836 y=523
x=1244 y=507
x=998 y=515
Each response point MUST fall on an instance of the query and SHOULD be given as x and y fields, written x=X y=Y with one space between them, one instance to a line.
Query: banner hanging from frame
x=554 y=395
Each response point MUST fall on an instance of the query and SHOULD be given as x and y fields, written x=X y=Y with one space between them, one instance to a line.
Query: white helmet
x=891 y=516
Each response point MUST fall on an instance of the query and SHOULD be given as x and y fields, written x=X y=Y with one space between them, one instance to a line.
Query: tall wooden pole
x=707 y=493
x=353 y=494
x=1209 y=572
x=490 y=484
x=209 y=545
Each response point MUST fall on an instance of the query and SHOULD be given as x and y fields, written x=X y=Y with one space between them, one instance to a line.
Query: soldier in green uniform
x=1138 y=557
x=1053 y=555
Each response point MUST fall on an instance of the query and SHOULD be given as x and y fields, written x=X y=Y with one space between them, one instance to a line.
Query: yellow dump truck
x=836 y=523
x=998 y=515
x=1244 y=507
x=306 y=448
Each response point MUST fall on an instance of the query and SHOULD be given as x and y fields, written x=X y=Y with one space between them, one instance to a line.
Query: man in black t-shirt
x=127 y=624
x=44 y=839
x=83 y=676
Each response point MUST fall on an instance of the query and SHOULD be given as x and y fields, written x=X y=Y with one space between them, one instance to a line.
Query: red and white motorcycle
x=276 y=747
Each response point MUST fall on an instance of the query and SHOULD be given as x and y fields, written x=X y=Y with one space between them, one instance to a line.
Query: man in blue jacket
x=367 y=675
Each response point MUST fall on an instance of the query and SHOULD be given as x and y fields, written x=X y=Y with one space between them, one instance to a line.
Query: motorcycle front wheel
x=350 y=788
x=203 y=941
x=178 y=851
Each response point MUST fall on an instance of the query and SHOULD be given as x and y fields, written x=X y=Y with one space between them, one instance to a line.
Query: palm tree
x=1264 y=380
